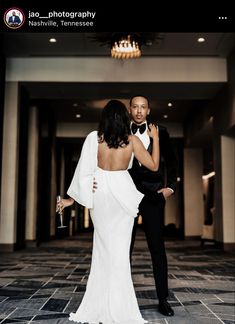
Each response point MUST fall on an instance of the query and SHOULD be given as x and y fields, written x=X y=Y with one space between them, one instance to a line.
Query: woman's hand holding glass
x=61 y=203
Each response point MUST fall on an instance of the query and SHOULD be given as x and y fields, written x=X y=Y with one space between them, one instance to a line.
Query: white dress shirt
x=144 y=137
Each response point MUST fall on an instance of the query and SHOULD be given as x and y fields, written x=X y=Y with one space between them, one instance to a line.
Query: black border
x=161 y=17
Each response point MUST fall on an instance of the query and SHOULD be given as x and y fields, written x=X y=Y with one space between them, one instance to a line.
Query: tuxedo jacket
x=148 y=181
x=16 y=20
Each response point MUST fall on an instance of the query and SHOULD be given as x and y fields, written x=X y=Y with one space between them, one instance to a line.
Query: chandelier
x=125 y=47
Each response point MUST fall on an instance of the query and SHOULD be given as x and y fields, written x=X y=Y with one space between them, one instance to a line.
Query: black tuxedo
x=14 y=20
x=153 y=204
x=148 y=181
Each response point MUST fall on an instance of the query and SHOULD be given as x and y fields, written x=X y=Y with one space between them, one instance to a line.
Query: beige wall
x=231 y=89
x=218 y=220
x=32 y=176
x=228 y=188
x=193 y=192
x=9 y=185
x=153 y=69
x=173 y=211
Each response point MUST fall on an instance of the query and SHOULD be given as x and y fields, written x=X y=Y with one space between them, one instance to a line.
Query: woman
x=106 y=156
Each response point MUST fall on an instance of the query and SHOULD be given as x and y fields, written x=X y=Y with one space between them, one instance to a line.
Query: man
x=14 y=20
x=157 y=187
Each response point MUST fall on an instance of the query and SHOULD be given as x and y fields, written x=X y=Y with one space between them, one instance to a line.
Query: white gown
x=109 y=297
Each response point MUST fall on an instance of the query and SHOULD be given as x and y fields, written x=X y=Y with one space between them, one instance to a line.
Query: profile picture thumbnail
x=14 y=18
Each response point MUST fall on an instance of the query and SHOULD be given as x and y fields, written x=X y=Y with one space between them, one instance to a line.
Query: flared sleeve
x=81 y=186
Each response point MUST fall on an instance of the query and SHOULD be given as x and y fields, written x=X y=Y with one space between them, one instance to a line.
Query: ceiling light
x=52 y=40
x=165 y=116
x=75 y=104
x=169 y=104
x=78 y=116
x=201 y=40
x=125 y=47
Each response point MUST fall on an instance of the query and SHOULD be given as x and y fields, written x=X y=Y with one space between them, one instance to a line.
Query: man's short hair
x=140 y=95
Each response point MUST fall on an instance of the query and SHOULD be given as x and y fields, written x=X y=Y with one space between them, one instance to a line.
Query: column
x=218 y=217
x=193 y=193
x=9 y=184
x=228 y=191
x=62 y=173
x=2 y=87
x=53 y=184
x=32 y=177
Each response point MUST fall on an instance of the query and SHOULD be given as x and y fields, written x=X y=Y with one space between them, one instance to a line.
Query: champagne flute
x=58 y=199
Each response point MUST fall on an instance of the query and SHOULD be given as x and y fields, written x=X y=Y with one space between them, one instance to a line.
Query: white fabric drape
x=81 y=186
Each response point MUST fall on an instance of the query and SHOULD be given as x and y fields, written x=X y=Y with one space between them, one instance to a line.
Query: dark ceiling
x=89 y=98
x=98 y=44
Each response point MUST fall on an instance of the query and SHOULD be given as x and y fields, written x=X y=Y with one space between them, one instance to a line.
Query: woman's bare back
x=112 y=159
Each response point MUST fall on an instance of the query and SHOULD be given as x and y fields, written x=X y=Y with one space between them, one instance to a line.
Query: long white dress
x=109 y=297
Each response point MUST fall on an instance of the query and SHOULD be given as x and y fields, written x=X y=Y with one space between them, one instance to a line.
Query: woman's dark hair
x=114 y=127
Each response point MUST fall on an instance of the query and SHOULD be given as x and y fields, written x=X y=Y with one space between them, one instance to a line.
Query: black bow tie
x=135 y=127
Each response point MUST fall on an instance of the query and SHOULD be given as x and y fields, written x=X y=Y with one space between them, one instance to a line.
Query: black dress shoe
x=165 y=308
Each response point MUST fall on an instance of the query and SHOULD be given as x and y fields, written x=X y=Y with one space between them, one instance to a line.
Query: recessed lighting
x=201 y=40
x=169 y=104
x=52 y=40
x=178 y=179
x=165 y=116
x=75 y=104
x=78 y=116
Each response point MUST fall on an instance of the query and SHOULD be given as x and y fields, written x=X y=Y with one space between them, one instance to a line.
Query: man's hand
x=94 y=185
x=167 y=192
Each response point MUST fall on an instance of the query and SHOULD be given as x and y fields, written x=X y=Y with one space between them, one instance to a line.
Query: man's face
x=139 y=109
x=13 y=13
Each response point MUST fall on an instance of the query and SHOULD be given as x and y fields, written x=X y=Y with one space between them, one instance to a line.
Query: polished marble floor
x=45 y=284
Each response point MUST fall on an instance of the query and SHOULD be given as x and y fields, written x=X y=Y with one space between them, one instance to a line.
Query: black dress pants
x=152 y=211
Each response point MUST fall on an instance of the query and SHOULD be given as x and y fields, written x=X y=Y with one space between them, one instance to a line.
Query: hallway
x=44 y=285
